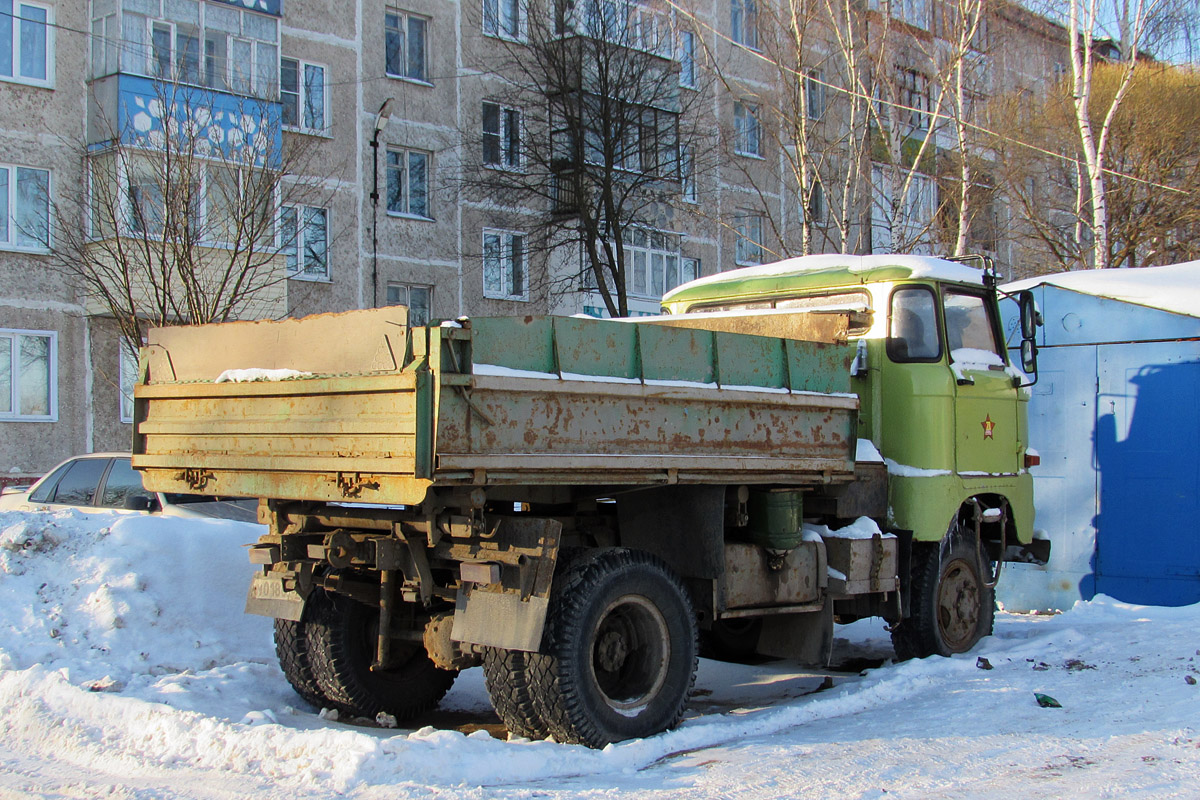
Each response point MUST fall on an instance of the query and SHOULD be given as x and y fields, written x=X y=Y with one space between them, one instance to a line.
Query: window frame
x=498 y=18
x=994 y=327
x=507 y=274
x=258 y=78
x=302 y=94
x=814 y=94
x=743 y=23
x=18 y=63
x=14 y=415
x=408 y=290
x=746 y=124
x=406 y=19
x=8 y=225
x=689 y=190
x=642 y=242
x=504 y=136
x=688 y=78
x=890 y=346
x=742 y=226
x=127 y=372
x=300 y=272
x=405 y=171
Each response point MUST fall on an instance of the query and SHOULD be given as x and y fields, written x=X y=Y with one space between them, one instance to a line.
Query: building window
x=207 y=44
x=408 y=183
x=747 y=131
x=651 y=263
x=502 y=18
x=913 y=95
x=419 y=300
x=815 y=207
x=814 y=93
x=689 y=270
x=127 y=371
x=687 y=59
x=304 y=241
x=28 y=375
x=745 y=22
x=903 y=224
x=24 y=208
x=501 y=136
x=504 y=265
x=302 y=94
x=405 y=45
x=687 y=175
x=749 y=228
x=26 y=42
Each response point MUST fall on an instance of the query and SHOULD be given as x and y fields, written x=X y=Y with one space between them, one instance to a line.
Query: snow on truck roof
x=1174 y=288
x=860 y=267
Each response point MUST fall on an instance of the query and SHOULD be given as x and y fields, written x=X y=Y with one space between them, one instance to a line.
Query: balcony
x=638 y=26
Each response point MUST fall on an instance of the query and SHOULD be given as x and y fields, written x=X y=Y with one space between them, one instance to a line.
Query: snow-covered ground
x=128 y=670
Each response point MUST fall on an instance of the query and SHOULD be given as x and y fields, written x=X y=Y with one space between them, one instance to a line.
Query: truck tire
x=291 y=647
x=618 y=655
x=733 y=640
x=951 y=608
x=341 y=645
x=507 y=681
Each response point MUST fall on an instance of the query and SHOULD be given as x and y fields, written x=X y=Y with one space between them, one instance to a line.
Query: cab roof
x=821 y=271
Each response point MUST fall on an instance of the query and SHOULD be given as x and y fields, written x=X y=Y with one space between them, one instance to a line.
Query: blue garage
x=1115 y=416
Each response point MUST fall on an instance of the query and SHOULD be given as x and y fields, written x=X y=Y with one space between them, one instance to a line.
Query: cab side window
x=969 y=327
x=913 y=333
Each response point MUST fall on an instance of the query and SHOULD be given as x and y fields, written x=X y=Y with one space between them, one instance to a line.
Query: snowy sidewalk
x=127 y=669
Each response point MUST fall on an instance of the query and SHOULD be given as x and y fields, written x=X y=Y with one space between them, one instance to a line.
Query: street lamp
x=381 y=119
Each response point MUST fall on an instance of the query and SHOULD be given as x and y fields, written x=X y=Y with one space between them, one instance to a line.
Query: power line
x=123 y=45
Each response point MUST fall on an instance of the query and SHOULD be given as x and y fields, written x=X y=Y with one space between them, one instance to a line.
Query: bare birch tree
x=181 y=222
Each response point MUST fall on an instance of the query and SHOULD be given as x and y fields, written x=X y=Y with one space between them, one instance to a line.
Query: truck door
x=986 y=406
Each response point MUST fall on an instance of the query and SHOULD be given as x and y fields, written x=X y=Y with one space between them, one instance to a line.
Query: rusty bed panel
x=388 y=412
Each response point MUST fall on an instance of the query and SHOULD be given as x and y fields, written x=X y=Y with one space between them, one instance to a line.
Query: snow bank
x=124 y=653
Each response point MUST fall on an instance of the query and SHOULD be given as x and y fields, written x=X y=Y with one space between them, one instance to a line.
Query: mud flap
x=270 y=596
x=807 y=637
x=506 y=607
x=500 y=619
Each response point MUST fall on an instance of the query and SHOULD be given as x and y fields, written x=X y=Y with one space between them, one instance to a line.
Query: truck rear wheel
x=504 y=674
x=342 y=638
x=618 y=656
x=291 y=647
x=952 y=609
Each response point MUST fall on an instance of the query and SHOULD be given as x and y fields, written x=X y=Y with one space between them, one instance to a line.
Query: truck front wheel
x=618 y=655
x=342 y=636
x=952 y=609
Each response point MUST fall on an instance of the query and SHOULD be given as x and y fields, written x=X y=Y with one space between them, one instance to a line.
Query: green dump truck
x=581 y=505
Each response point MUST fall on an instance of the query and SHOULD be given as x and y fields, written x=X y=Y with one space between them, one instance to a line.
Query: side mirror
x=1029 y=356
x=1031 y=318
x=141 y=502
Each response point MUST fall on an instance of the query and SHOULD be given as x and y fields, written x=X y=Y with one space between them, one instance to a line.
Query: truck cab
x=939 y=400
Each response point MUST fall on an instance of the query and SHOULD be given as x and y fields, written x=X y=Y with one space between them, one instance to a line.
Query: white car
x=106 y=482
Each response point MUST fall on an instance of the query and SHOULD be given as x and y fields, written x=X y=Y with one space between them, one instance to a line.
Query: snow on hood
x=1174 y=288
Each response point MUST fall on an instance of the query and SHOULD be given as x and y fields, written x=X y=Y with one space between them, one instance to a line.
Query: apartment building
x=381 y=123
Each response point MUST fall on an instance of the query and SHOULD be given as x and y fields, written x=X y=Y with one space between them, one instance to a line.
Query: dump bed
x=360 y=407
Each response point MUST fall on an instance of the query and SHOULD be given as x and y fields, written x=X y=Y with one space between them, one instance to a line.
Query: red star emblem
x=988 y=427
